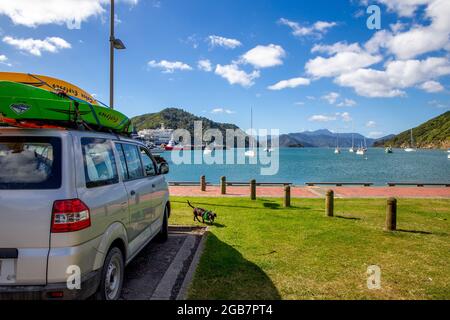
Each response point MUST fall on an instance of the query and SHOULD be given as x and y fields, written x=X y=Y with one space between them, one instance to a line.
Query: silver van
x=75 y=208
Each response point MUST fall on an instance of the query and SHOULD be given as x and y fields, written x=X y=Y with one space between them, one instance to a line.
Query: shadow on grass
x=271 y=205
x=414 y=231
x=224 y=274
x=218 y=225
x=214 y=204
x=347 y=218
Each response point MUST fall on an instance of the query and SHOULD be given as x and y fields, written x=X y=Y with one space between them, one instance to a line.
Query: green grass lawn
x=260 y=250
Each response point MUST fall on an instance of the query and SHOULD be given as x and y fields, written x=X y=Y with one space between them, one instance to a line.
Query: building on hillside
x=157 y=136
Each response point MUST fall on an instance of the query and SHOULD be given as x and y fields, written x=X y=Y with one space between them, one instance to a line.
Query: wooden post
x=203 y=183
x=223 y=185
x=329 y=203
x=253 y=189
x=287 y=196
x=391 y=215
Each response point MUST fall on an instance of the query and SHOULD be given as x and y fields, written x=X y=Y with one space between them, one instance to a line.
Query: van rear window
x=30 y=163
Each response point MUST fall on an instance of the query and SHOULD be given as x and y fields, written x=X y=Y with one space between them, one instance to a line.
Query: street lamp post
x=113 y=44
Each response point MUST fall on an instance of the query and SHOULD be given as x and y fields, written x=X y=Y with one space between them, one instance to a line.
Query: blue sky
x=302 y=65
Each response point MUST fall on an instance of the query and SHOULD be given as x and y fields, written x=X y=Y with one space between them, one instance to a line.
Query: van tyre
x=112 y=276
x=163 y=235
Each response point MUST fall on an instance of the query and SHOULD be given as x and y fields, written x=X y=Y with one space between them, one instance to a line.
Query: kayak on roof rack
x=37 y=101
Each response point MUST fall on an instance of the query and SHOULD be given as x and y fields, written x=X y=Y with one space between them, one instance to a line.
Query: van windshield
x=30 y=163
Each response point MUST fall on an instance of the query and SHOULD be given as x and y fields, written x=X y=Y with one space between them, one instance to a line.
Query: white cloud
x=397 y=75
x=234 y=75
x=300 y=103
x=291 y=83
x=371 y=124
x=431 y=86
x=222 y=110
x=264 y=56
x=217 y=41
x=344 y=116
x=321 y=118
x=404 y=8
x=32 y=13
x=317 y=29
x=336 y=48
x=205 y=65
x=346 y=58
x=331 y=97
x=169 y=66
x=37 y=46
x=347 y=103
x=351 y=65
x=4 y=60
x=419 y=39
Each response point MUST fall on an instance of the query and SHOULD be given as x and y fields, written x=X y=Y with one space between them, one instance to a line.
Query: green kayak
x=23 y=103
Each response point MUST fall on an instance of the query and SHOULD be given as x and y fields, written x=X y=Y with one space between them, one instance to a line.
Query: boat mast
x=251 y=127
x=353 y=135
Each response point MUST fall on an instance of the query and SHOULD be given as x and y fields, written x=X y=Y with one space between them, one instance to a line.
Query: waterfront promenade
x=315 y=192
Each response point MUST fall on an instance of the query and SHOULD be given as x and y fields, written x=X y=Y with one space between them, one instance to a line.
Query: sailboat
x=352 y=149
x=207 y=150
x=251 y=150
x=411 y=148
x=362 y=148
x=337 y=150
x=361 y=151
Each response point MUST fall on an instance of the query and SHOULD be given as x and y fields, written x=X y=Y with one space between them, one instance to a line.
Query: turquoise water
x=322 y=165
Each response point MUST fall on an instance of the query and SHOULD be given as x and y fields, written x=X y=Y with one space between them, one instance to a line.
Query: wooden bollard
x=203 y=183
x=287 y=196
x=391 y=215
x=223 y=185
x=253 y=189
x=329 y=203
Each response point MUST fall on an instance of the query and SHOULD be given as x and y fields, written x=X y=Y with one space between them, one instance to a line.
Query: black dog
x=206 y=215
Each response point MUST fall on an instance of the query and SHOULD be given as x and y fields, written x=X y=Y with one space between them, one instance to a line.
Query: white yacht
x=411 y=147
x=337 y=150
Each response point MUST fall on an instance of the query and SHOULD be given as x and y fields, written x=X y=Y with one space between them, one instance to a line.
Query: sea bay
x=299 y=166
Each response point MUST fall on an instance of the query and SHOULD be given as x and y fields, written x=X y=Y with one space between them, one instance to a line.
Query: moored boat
x=411 y=147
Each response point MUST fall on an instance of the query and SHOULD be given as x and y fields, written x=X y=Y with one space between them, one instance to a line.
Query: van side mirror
x=163 y=168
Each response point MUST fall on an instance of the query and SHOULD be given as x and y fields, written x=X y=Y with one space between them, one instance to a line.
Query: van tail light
x=70 y=215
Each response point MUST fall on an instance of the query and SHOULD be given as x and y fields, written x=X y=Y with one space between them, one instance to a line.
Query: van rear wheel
x=112 y=276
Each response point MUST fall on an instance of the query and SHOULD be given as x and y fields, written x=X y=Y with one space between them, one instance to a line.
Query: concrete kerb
x=182 y=294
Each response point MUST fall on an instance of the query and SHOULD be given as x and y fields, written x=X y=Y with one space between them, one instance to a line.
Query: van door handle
x=132 y=193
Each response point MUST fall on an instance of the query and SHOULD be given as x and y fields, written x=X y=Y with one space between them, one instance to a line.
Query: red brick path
x=316 y=192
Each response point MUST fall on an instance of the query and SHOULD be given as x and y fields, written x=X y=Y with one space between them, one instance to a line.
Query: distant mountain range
x=325 y=138
x=434 y=133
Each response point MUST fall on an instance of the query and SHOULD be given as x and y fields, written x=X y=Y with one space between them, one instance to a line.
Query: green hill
x=175 y=118
x=434 y=133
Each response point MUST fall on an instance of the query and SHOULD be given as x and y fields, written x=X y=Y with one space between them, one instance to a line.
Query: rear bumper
x=89 y=285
